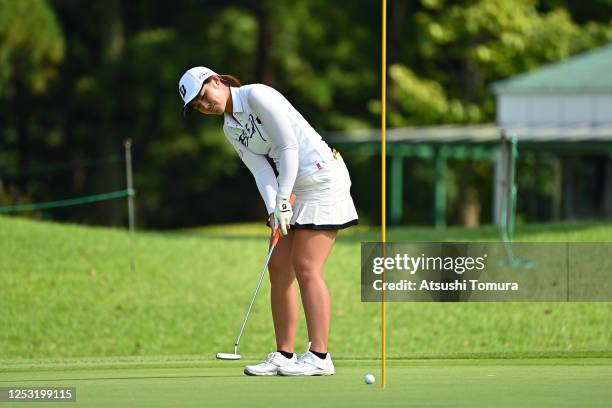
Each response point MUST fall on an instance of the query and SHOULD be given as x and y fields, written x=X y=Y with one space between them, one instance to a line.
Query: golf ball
x=369 y=379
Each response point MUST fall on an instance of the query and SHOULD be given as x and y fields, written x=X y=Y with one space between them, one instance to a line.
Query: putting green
x=461 y=383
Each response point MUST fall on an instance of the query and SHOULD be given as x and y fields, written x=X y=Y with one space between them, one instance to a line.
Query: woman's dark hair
x=230 y=80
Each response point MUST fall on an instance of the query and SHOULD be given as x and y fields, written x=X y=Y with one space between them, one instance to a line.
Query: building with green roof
x=561 y=117
x=565 y=109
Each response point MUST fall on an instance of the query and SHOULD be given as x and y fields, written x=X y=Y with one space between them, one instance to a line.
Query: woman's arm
x=270 y=108
x=263 y=173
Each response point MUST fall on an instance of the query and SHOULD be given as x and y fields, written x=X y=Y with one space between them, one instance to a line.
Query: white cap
x=191 y=83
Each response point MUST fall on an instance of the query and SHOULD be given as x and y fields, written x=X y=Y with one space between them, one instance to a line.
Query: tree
x=112 y=39
x=465 y=46
x=31 y=48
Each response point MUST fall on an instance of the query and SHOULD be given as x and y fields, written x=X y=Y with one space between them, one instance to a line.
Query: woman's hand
x=282 y=215
x=272 y=223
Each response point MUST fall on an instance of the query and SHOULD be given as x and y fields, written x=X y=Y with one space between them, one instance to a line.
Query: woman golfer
x=260 y=123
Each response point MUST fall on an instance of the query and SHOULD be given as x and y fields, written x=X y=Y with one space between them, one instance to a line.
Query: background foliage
x=76 y=78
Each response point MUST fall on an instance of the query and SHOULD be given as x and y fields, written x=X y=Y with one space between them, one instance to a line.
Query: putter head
x=228 y=356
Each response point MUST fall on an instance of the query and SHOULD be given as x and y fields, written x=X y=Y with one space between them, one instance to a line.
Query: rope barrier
x=69 y=202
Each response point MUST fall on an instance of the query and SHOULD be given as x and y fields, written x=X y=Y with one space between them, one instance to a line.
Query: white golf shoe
x=272 y=364
x=309 y=364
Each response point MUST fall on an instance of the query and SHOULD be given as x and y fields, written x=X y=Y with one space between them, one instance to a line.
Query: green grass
x=68 y=291
x=411 y=383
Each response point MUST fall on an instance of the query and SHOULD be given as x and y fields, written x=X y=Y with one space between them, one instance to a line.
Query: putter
x=275 y=238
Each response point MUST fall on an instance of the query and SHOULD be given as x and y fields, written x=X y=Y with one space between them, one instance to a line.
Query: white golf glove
x=282 y=215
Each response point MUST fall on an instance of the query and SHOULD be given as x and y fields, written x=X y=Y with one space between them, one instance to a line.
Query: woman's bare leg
x=310 y=251
x=283 y=296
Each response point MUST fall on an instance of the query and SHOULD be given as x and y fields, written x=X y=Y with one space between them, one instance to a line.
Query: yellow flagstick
x=383 y=132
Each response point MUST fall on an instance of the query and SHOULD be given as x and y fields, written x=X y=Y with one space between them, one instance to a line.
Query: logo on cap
x=183 y=90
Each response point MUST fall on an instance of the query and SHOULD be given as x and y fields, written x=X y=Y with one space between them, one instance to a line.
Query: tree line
x=77 y=78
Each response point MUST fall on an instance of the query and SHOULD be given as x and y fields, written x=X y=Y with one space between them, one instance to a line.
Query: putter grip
x=276 y=236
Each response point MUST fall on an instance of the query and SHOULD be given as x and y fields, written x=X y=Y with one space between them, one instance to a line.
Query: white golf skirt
x=323 y=199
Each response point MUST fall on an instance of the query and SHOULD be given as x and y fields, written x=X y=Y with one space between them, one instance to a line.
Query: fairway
x=69 y=292
x=411 y=383
x=75 y=315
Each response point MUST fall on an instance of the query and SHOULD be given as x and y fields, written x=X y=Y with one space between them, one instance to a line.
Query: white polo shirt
x=264 y=123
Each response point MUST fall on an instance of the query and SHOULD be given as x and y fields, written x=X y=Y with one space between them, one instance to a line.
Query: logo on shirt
x=250 y=129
